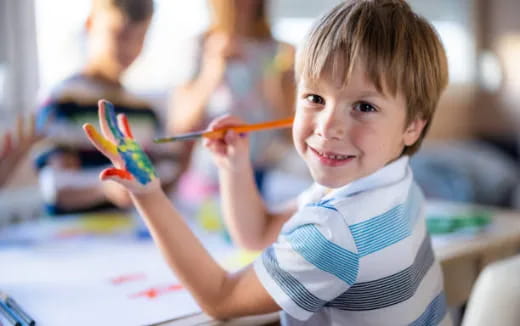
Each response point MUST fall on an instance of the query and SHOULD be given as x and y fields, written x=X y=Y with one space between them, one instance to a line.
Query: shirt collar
x=389 y=174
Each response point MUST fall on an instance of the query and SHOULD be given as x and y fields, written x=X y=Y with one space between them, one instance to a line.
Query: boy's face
x=115 y=40
x=347 y=132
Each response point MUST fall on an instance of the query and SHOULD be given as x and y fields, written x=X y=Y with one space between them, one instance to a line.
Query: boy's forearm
x=184 y=253
x=244 y=211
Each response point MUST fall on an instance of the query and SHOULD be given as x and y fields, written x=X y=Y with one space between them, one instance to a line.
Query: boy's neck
x=96 y=72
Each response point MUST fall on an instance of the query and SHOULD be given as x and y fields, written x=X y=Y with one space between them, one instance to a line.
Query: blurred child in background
x=239 y=69
x=116 y=34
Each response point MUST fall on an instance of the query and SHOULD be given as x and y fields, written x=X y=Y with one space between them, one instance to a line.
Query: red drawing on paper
x=154 y=292
x=127 y=278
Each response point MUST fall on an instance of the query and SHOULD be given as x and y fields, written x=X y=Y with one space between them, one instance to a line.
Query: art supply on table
x=469 y=222
x=15 y=307
x=9 y=314
x=219 y=133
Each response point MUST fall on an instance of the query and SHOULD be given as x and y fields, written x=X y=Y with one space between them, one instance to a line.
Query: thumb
x=120 y=176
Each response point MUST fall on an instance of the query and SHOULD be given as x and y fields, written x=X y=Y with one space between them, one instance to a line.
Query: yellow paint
x=101 y=141
x=208 y=216
x=240 y=258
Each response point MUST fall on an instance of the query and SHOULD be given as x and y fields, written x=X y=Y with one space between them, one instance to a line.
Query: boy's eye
x=364 y=107
x=316 y=99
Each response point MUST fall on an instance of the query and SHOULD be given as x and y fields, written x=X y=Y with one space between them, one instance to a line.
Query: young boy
x=116 y=33
x=354 y=249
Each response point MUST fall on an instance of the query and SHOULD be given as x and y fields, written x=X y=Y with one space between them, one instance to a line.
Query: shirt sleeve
x=313 y=261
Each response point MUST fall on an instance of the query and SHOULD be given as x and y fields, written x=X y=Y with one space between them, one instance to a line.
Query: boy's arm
x=250 y=223
x=219 y=293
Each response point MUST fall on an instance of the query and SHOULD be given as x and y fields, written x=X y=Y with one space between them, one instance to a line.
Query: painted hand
x=132 y=167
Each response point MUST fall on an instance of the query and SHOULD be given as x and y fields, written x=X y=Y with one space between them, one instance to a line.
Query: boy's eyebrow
x=310 y=84
x=372 y=93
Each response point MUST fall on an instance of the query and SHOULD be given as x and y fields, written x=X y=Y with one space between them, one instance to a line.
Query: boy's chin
x=330 y=182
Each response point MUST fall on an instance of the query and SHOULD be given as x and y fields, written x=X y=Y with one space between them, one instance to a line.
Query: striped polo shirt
x=357 y=255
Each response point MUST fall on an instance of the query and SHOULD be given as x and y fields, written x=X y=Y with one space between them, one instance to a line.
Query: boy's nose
x=332 y=124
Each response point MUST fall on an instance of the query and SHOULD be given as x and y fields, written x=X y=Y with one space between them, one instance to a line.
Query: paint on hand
x=106 y=145
x=112 y=172
x=110 y=117
x=136 y=161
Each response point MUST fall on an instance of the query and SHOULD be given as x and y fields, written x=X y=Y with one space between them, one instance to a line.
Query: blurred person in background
x=15 y=144
x=239 y=69
x=116 y=34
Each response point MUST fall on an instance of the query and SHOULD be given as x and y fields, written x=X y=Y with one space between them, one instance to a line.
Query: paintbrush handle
x=251 y=127
x=219 y=133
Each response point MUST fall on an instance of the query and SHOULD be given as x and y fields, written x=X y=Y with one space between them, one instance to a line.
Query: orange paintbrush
x=219 y=133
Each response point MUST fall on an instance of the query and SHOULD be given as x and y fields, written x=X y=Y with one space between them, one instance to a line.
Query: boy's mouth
x=331 y=158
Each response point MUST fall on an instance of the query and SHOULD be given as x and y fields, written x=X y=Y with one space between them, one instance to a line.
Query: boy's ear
x=413 y=131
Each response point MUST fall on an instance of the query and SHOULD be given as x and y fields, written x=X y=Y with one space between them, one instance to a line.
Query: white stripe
x=383 y=262
x=318 y=283
x=362 y=206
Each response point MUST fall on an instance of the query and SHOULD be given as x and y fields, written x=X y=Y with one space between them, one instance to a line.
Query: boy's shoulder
x=391 y=189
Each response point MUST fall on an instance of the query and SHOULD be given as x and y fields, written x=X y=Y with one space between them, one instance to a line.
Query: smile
x=332 y=159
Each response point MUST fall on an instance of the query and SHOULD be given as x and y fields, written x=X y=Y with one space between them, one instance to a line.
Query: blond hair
x=400 y=50
x=135 y=10
x=224 y=13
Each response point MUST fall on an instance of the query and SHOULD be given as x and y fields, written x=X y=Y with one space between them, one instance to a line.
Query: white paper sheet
x=96 y=280
x=84 y=284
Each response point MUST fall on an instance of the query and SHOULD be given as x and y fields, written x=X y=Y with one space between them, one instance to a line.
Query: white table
x=462 y=257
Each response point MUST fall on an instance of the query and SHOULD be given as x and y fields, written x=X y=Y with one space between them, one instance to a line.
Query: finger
x=224 y=121
x=217 y=146
x=31 y=128
x=19 y=129
x=7 y=145
x=124 y=126
x=230 y=137
x=102 y=144
x=113 y=173
x=122 y=177
x=108 y=121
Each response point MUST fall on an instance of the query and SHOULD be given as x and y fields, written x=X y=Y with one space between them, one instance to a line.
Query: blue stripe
x=434 y=313
x=323 y=203
x=290 y=285
x=388 y=228
x=389 y=290
x=308 y=241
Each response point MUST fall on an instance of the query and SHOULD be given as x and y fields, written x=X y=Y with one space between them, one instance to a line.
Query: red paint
x=154 y=292
x=127 y=278
x=113 y=172
x=123 y=120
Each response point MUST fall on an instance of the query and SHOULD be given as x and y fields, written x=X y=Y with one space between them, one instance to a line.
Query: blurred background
x=477 y=123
